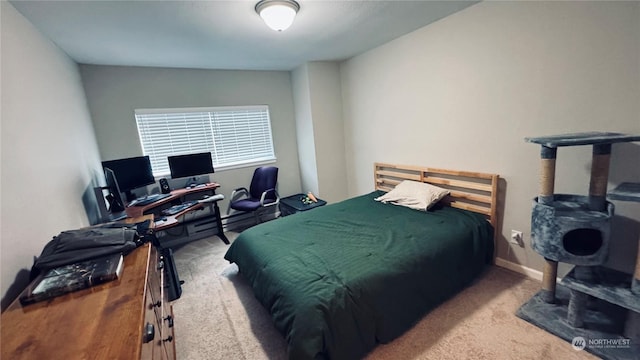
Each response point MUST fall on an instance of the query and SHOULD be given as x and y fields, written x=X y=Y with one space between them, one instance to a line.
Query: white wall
x=328 y=129
x=320 y=129
x=464 y=92
x=114 y=92
x=306 y=139
x=49 y=154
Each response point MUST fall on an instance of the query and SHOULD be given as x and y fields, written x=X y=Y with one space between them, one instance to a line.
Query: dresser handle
x=149 y=333
x=169 y=318
x=169 y=339
x=156 y=304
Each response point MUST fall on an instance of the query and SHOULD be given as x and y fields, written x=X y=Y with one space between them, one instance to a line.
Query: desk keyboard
x=178 y=208
x=149 y=199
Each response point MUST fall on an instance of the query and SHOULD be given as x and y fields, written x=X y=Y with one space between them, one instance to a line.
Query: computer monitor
x=114 y=198
x=190 y=165
x=131 y=173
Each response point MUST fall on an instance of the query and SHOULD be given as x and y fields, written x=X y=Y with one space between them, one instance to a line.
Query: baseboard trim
x=521 y=269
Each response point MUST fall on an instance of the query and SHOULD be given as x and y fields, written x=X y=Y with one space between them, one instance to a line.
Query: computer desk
x=173 y=220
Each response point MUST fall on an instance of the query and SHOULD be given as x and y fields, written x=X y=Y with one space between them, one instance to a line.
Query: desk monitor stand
x=191 y=182
x=194 y=182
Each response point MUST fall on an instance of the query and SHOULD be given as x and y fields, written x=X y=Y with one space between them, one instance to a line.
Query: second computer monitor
x=190 y=165
x=131 y=173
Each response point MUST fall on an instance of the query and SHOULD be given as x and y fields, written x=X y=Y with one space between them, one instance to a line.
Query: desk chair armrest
x=264 y=195
x=239 y=192
x=212 y=199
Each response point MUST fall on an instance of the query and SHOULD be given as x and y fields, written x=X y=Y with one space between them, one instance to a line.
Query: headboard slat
x=470 y=174
x=457 y=183
x=399 y=175
x=388 y=182
x=478 y=209
x=471 y=197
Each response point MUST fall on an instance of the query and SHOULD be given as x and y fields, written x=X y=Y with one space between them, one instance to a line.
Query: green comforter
x=343 y=277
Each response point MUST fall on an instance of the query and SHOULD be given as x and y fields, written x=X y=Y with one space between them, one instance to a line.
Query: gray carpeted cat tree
x=594 y=308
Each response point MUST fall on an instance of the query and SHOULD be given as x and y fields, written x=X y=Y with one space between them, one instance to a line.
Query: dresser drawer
x=152 y=346
x=158 y=312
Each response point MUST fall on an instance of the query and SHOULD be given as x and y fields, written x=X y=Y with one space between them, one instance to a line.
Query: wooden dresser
x=129 y=318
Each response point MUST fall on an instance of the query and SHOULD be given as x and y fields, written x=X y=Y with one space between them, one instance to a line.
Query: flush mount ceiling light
x=277 y=14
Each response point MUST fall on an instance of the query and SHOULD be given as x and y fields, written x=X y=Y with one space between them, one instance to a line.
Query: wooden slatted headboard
x=473 y=191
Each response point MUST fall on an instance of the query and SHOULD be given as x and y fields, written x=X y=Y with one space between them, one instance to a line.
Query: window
x=235 y=135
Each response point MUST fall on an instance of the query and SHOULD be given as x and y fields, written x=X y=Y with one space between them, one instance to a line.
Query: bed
x=344 y=277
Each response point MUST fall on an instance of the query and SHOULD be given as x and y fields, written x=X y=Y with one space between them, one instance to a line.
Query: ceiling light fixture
x=277 y=14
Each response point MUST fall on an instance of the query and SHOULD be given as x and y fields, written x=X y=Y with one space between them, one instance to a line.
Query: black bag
x=73 y=246
x=173 y=283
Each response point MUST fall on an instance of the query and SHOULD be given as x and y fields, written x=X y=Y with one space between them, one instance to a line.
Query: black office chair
x=262 y=194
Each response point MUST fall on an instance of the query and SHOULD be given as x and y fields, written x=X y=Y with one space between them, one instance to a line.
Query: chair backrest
x=264 y=178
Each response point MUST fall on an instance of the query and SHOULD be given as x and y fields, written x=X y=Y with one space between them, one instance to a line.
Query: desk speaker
x=164 y=186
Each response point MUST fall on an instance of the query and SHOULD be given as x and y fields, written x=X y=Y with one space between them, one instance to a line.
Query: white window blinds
x=235 y=136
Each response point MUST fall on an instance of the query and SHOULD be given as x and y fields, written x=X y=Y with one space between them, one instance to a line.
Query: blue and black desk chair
x=261 y=196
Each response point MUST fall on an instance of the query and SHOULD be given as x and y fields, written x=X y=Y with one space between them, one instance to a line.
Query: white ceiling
x=224 y=34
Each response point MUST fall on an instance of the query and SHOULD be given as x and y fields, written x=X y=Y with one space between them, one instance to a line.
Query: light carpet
x=217 y=317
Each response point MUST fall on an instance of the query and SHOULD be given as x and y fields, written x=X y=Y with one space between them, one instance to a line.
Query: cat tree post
x=600 y=160
x=597 y=202
x=599 y=176
x=632 y=326
x=635 y=282
x=547 y=181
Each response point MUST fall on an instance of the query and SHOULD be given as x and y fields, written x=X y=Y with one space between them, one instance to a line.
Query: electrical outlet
x=516 y=238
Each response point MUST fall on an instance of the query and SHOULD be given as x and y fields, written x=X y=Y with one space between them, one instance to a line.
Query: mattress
x=341 y=278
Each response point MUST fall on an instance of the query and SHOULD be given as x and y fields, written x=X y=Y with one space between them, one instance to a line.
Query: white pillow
x=414 y=194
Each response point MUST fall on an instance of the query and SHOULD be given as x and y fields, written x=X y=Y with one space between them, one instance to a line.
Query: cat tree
x=592 y=301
